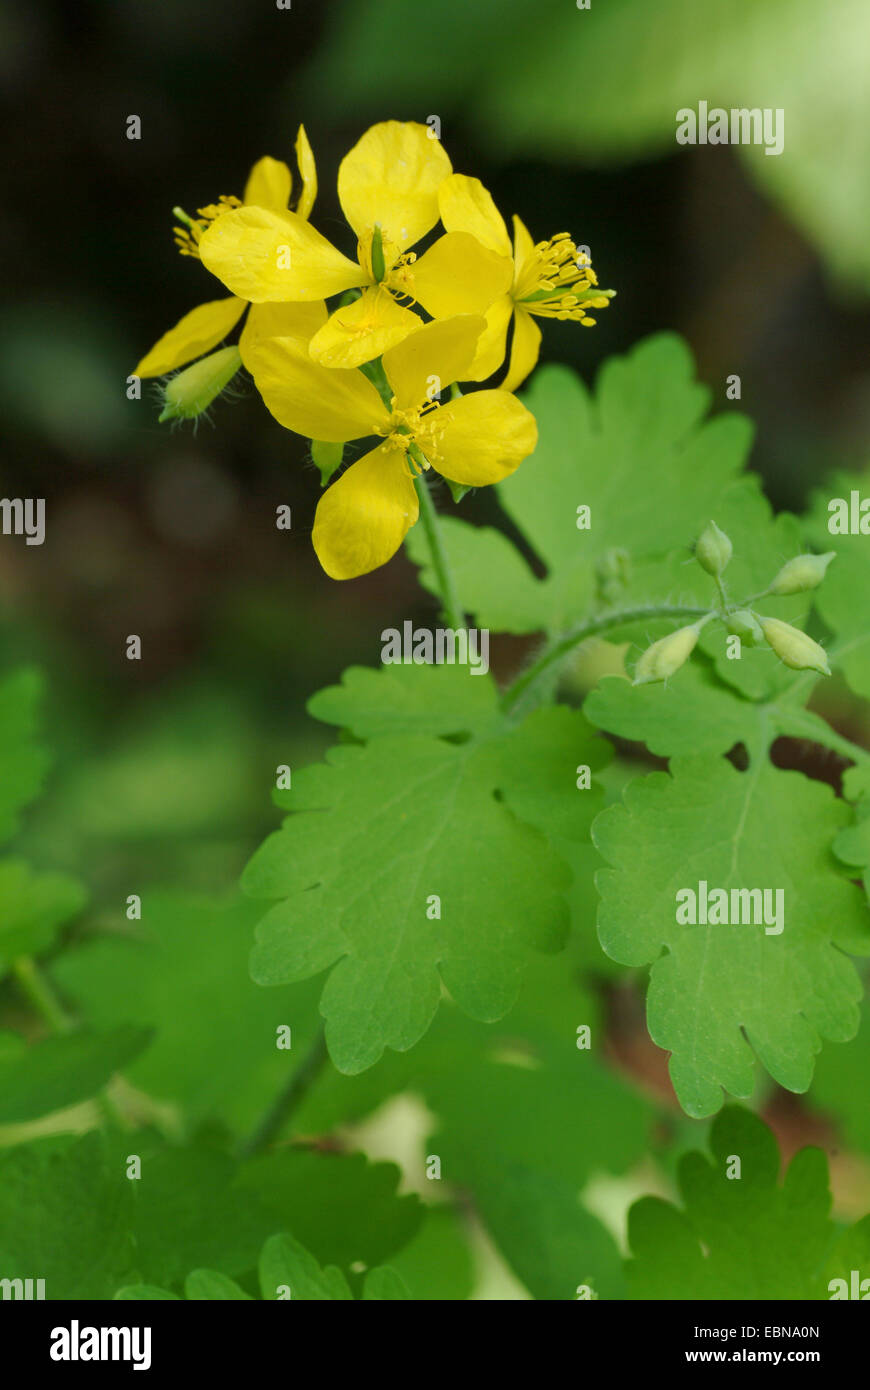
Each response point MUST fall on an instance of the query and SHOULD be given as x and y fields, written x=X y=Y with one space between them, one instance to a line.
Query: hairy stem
x=287 y=1100
x=440 y=564
x=591 y=628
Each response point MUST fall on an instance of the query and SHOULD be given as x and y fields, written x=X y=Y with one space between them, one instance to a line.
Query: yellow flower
x=388 y=189
x=550 y=280
x=474 y=440
x=269 y=185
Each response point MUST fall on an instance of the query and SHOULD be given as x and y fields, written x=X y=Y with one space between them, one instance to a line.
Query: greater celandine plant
x=467 y=864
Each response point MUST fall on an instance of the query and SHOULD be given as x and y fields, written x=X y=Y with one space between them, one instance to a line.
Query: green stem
x=603 y=623
x=39 y=990
x=41 y=994
x=287 y=1100
x=440 y=564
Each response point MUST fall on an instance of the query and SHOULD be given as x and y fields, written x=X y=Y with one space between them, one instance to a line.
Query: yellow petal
x=269 y=184
x=433 y=357
x=524 y=349
x=363 y=330
x=298 y=321
x=265 y=256
x=363 y=518
x=308 y=170
x=480 y=438
x=457 y=276
x=466 y=206
x=391 y=177
x=524 y=249
x=492 y=343
x=198 y=332
x=321 y=402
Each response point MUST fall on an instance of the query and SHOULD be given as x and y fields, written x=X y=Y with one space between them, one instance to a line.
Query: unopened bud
x=713 y=549
x=666 y=656
x=802 y=573
x=794 y=648
x=192 y=391
x=744 y=624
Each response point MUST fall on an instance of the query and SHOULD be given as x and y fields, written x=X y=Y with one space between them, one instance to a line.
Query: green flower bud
x=666 y=656
x=328 y=458
x=192 y=391
x=744 y=624
x=794 y=648
x=713 y=549
x=802 y=573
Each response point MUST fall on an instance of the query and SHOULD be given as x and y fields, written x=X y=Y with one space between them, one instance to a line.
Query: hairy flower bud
x=666 y=656
x=802 y=573
x=744 y=624
x=713 y=549
x=192 y=391
x=794 y=648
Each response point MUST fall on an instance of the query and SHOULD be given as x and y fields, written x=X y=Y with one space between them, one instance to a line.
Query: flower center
x=187 y=236
x=416 y=432
x=559 y=282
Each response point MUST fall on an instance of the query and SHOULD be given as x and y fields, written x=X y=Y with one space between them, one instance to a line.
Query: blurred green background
x=163 y=767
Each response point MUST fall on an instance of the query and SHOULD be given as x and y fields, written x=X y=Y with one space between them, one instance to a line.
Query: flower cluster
x=343 y=349
x=794 y=648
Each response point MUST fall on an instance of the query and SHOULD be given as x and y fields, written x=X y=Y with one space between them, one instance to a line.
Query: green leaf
x=642 y=437
x=693 y=713
x=549 y=1239
x=210 y=1284
x=384 y=1284
x=220 y=1057
x=381 y=832
x=285 y=1263
x=843 y=600
x=742 y=1237
x=525 y=1118
x=139 y=1293
x=717 y=993
x=696 y=713
x=437 y=1264
x=62 y=1071
x=341 y=1207
x=437 y=700
x=69 y=1211
x=839 y=1089
x=22 y=758
x=33 y=906
x=287 y=1271
x=492 y=576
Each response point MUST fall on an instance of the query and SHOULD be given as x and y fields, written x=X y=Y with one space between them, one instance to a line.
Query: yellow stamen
x=187 y=237
x=559 y=282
